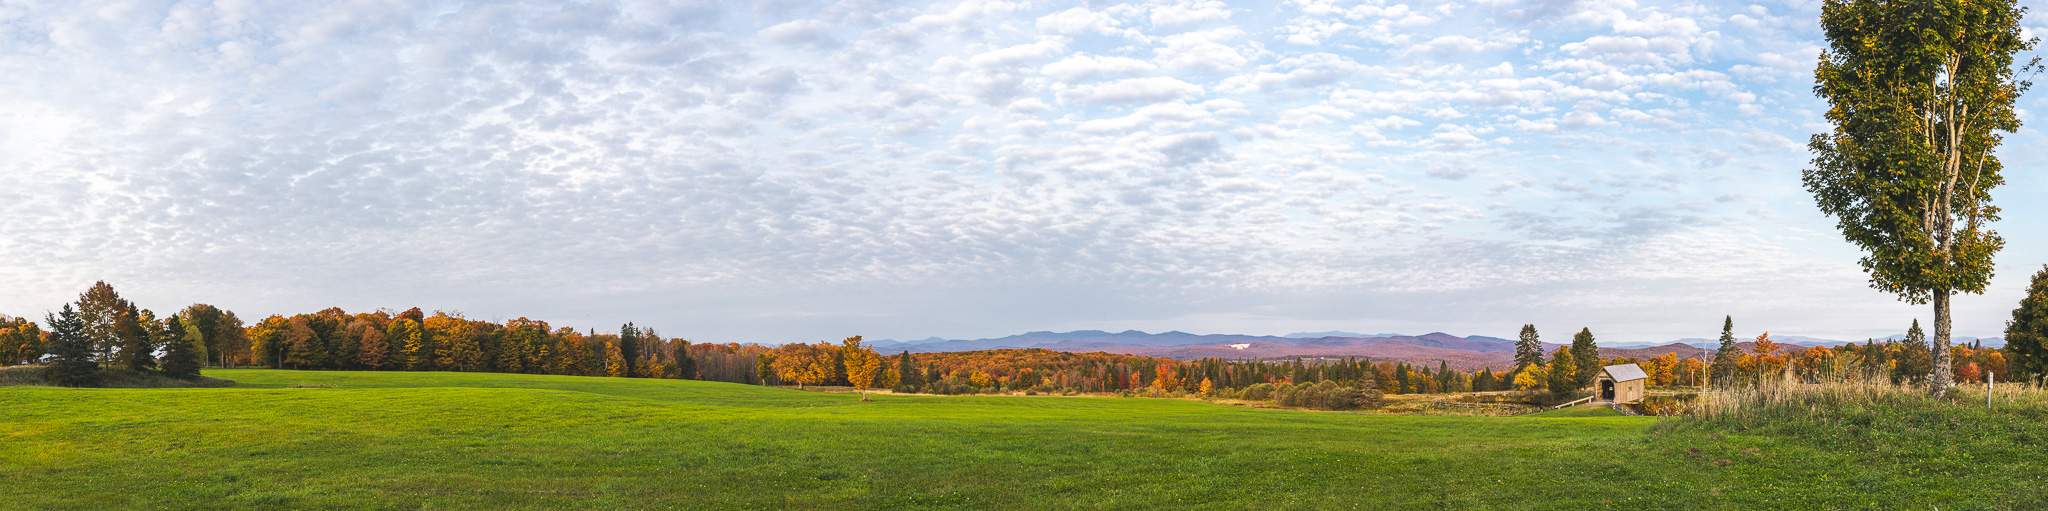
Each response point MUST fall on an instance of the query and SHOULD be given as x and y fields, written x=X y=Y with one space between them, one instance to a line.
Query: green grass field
x=493 y=441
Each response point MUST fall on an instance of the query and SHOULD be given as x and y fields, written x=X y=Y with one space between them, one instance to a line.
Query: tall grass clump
x=1880 y=417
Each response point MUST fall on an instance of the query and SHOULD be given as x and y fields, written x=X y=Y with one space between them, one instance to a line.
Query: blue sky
x=792 y=170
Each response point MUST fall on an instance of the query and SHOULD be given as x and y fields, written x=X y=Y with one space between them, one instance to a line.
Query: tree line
x=101 y=330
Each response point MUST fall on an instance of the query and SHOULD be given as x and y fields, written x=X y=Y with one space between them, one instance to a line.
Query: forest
x=107 y=332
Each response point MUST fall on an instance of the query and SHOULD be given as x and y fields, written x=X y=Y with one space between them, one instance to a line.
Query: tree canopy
x=1918 y=92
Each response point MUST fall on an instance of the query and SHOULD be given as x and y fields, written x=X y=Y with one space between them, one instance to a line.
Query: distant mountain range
x=1469 y=352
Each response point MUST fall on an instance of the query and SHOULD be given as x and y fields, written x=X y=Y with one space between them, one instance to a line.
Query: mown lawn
x=492 y=441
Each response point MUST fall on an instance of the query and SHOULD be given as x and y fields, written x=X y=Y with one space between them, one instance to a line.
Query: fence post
x=1990 y=384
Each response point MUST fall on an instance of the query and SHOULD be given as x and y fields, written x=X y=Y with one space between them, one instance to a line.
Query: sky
x=793 y=170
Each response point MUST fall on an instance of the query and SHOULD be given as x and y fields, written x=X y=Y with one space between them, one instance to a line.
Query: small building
x=1621 y=383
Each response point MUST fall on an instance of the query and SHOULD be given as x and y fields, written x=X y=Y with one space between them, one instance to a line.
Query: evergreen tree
x=184 y=351
x=1528 y=350
x=1563 y=377
x=629 y=349
x=1727 y=358
x=1587 y=355
x=131 y=326
x=1915 y=360
x=71 y=350
x=686 y=365
x=1369 y=395
x=909 y=379
x=2026 y=336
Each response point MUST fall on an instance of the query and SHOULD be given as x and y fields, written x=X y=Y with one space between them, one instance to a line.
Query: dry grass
x=1788 y=401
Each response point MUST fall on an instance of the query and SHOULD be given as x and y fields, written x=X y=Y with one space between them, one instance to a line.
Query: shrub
x=1288 y=395
x=1342 y=398
x=1258 y=392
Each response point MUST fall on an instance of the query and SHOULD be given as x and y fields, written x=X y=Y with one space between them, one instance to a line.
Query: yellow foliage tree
x=802 y=363
x=1666 y=366
x=1532 y=378
x=863 y=365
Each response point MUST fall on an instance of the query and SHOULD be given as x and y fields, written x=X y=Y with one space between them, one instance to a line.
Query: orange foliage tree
x=863 y=365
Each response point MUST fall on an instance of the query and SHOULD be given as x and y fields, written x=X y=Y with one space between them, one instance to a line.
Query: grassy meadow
x=401 y=440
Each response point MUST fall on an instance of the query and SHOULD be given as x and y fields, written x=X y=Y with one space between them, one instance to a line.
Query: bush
x=1259 y=392
x=1288 y=395
x=1342 y=398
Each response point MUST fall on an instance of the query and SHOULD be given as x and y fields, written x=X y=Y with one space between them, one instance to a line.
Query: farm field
x=401 y=440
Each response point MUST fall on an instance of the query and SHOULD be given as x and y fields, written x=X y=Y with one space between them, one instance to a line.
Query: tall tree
x=1919 y=91
x=223 y=332
x=910 y=379
x=802 y=364
x=184 y=349
x=629 y=349
x=2026 y=335
x=1587 y=355
x=407 y=337
x=138 y=349
x=1369 y=395
x=1911 y=363
x=71 y=350
x=21 y=341
x=373 y=350
x=99 y=311
x=686 y=364
x=1528 y=349
x=1728 y=358
x=862 y=365
x=1564 y=379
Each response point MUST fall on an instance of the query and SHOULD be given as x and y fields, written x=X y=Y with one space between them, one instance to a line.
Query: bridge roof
x=1624 y=372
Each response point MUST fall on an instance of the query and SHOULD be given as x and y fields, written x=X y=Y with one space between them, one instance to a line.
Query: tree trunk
x=1942 y=376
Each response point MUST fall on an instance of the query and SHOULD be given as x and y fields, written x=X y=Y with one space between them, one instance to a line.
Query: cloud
x=802 y=170
x=808 y=33
x=1078 y=21
x=1202 y=51
x=1189 y=12
x=1130 y=90
x=1078 y=67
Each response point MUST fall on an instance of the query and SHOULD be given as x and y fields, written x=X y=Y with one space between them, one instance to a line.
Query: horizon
x=792 y=171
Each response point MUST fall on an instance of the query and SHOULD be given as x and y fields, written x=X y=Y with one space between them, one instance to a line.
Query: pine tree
x=1528 y=350
x=1368 y=385
x=629 y=349
x=1563 y=373
x=131 y=326
x=1587 y=355
x=686 y=365
x=1727 y=358
x=184 y=350
x=910 y=379
x=1915 y=360
x=71 y=350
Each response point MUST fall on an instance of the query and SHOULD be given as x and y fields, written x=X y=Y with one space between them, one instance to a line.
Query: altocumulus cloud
x=804 y=170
